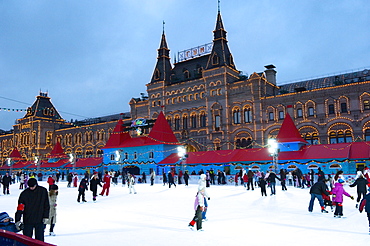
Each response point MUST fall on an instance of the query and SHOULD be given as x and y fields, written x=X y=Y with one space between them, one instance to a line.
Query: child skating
x=338 y=192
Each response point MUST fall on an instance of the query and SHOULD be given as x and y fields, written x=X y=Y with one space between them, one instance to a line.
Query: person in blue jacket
x=6 y=223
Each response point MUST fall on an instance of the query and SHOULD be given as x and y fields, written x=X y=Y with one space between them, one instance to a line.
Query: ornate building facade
x=210 y=105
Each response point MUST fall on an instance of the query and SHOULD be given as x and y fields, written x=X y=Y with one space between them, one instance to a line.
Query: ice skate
x=191 y=227
x=52 y=234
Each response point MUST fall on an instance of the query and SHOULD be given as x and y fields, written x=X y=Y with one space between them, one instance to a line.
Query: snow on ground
x=157 y=215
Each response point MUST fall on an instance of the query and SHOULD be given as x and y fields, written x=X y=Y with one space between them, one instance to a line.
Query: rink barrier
x=8 y=238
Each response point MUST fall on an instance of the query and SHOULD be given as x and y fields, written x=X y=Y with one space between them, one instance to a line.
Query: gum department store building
x=210 y=105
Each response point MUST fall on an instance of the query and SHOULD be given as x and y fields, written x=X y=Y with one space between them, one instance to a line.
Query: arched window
x=215 y=59
x=331 y=109
x=193 y=120
x=236 y=116
x=247 y=115
x=310 y=111
x=177 y=123
x=185 y=122
x=203 y=120
x=299 y=113
x=367 y=135
x=157 y=74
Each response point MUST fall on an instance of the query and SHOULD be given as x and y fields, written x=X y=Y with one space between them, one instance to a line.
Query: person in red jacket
x=50 y=181
x=106 y=180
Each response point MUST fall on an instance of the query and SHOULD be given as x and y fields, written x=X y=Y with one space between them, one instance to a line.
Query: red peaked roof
x=57 y=151
x=288 y=132
x=15 y=154
x=161 y=133
x=118 y=136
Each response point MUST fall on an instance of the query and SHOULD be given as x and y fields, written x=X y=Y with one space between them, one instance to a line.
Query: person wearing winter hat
x=94 y=182
x=202 y=184
x=361 y=184
x=33 y=205
x=6 y=223
x=53 y=193
x=338 y=192
x=199 y=208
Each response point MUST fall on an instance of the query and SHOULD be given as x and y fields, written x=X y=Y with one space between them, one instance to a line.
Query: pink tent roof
x=87 y=162
x=15 y=154
x=57 y=151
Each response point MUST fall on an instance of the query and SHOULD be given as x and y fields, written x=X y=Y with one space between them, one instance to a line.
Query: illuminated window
x=247 y=115
x=366 y=105
x=281 y=115
x=177 y=123
x=310 y=111
x=343 y=107
x=193 y=120
x=217 y=122
x=299 y=113
x=236 y=116
x=157 y=74
x=203 y=120
x=271 y=116
x=186 y=74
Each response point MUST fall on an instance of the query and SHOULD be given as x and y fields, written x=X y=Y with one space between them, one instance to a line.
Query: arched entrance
x=135 y=170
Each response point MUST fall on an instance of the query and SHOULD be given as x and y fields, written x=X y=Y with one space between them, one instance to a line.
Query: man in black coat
x=361 y=183
x=316 y=191
x=7 y=180
x=33 y=204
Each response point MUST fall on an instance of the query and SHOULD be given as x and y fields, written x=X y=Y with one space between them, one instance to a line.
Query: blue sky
x=92 y=57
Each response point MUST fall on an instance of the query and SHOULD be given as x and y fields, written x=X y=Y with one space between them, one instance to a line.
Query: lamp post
x=181 y=152
x=72 y=161
x=274 y=152
x=10 y=164
x=37 y=163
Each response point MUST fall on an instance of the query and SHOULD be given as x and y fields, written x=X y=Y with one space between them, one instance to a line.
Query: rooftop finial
x=218 y=6
x=163 y=26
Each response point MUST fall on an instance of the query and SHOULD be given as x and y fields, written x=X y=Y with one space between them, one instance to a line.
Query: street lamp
x=9 y=161
x=72 y=161
x=274 y=152
x=181 y=152
x=37 y=165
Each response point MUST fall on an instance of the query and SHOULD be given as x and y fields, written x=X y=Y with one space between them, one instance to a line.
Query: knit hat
x=340 y=180
x=54 y=187
x=32 y=182
x=4 y=216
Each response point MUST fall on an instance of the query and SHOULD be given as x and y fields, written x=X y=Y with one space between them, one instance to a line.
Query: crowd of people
x=37 y=205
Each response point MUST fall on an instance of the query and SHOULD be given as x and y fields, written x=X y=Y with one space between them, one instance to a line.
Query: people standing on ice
x=271 y=180
x=164 y=176
x=181 y=174
x=198 y=207
x=171 y=179
x=53 y=193
x=316 y=191
x=202 y=184
x=75 y=179
x=81 y=190
x=283 y=179
x=320 y=174
x=361 y=184
x=236 y=178
x=299 y=175
x=21 y=182
x=365 y=204
x=131 y=183
x=69 y=179
x=208 y=179
x=245 y=180
x=34 y=206
x=50 y=181
x=312 y=177
x=338 y=192
x=250 y=175
x=7 y=181
x=262 y=184
x=106 y=180
x=186 y=178
x=94 y=182
x=143 y=179
x=152 y=177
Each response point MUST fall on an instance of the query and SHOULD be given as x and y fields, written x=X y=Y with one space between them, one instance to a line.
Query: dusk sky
x=92 y=57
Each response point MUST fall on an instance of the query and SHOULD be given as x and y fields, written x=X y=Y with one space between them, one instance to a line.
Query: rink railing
x=14 y=239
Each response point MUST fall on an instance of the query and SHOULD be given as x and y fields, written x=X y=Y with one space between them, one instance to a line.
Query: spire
x=118 y=136
x=162 y=131
x=220 y=55
x=163 y=67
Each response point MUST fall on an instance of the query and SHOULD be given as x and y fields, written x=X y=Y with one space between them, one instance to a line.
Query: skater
x=94 y=182
x=327 y=201
x=262 y=183
x=131 y=183
x=250 y=175
x=164 y=178
x=81 y=190
x=152 y=177
x=50 y=181
x=365 y=203
x=199 y=208
x=69 y=179
x=202 y=184
x=338 y=192
x=283 y=179
x=53 y=193
x=143 y=179
x=33 y=204
x=6 y=223
x=21 y=182
x=106 y=181
x=245 y=180
x=361 y=183
x=316 y=191
x=75 y=180
x=186 y=178
x=236 y=178
x=171 y=179
x=271 y=180
x=7 y=180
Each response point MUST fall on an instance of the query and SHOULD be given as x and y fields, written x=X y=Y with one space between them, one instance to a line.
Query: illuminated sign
x=194 y=52
x=139 y=122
